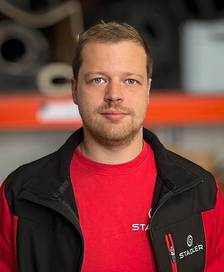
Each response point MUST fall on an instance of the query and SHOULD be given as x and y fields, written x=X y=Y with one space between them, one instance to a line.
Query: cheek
x=143 y=109
x=87 y=93
x=141 y=102
x=87 y=103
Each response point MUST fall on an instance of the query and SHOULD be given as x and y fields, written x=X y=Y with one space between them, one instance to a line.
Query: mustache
x=115 y=107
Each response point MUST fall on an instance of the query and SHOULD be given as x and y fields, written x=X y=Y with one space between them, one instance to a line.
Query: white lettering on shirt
x=140 y=227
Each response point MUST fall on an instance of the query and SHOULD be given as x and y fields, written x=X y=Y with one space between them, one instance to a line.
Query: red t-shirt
x=113 y=203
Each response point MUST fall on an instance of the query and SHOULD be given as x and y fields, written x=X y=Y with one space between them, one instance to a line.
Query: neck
x=98 y=152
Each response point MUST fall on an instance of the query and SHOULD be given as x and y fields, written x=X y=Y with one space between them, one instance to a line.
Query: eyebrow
x=134 y=74
x=94 y=73
x=105 y=74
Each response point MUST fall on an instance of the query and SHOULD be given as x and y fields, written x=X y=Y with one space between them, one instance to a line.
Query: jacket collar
x=174 y=171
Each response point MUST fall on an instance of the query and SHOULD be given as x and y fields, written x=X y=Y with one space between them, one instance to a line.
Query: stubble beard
x=112 y=133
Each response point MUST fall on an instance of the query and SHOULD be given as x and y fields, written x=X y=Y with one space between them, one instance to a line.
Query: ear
x=149 y=87
x=74 y=90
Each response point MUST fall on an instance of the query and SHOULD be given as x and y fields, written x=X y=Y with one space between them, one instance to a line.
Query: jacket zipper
x=80 y=233
x=165 y=199
x=171 y=249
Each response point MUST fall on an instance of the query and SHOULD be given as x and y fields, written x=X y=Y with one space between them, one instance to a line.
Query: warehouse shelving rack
x=31 y=112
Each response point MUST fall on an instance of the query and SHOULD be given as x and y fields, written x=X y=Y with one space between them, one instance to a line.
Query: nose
x=113 y=92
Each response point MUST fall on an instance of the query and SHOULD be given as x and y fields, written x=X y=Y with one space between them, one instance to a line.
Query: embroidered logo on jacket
x=190 y=240
x=192 y=249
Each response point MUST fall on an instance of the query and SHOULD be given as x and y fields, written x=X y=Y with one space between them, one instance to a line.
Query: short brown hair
x=109 y=32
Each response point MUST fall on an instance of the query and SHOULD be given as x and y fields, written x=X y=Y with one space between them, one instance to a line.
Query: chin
x=114 y=135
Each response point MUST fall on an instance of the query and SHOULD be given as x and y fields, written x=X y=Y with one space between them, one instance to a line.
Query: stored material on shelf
x=46 y=19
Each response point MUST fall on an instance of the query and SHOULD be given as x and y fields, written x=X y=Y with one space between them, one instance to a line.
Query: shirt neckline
x=83 y=163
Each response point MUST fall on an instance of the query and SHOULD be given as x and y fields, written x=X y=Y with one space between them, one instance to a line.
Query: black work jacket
x=49 y=237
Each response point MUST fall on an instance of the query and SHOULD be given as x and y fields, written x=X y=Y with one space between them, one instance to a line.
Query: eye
x=131 y=81
x=99 y=80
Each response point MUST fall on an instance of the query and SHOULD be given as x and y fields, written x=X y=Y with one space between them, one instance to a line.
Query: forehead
x=124 y=46
x=113 y=55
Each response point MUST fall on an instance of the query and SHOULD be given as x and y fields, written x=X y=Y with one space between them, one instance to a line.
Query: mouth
x=114 y=115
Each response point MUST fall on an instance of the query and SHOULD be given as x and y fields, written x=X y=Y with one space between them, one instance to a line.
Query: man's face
x=112 y=91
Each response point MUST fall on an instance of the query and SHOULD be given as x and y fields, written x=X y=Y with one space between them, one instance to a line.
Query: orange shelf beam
x=25 y=112
x=177 y=109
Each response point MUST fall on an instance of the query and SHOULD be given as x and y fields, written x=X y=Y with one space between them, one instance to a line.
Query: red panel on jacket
x=213 y=221
x=8 y=230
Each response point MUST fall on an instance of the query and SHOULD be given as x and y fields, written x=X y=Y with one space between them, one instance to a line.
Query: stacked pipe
x=154 y=21
x=160 y=21
x=27 y=58
x=198 y=9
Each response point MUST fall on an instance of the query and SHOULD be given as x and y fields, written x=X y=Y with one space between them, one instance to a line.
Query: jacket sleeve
x=8 y=229
x=214 y=232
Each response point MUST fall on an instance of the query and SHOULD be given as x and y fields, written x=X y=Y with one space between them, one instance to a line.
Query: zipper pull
x=173 y=255
x=171 y=250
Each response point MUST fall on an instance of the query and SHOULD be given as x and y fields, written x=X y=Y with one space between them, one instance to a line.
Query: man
x=112 y=198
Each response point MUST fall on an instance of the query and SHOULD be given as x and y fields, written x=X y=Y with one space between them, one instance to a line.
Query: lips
x=114 y=115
